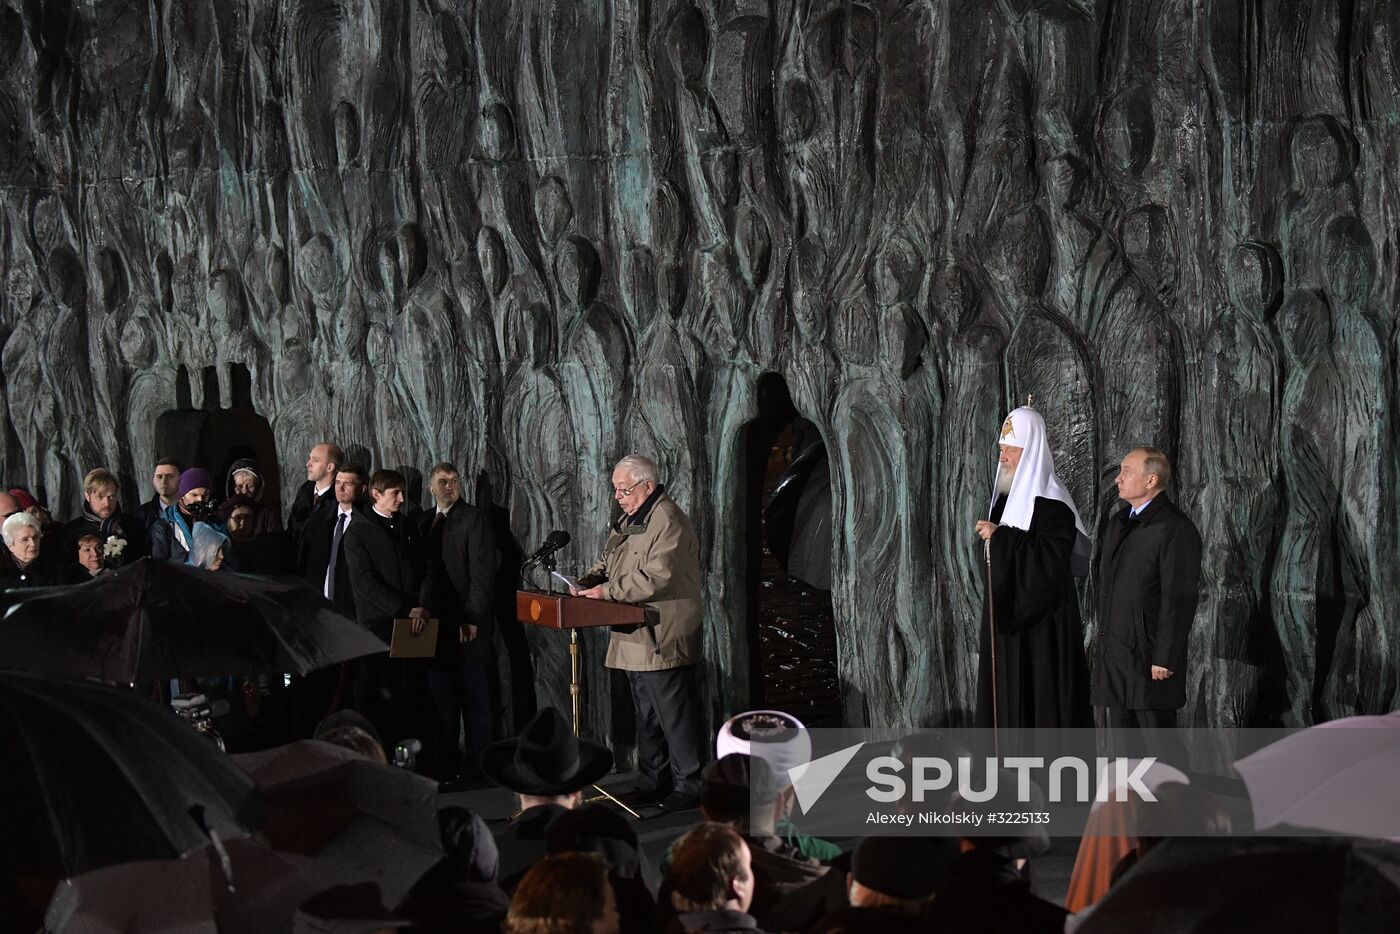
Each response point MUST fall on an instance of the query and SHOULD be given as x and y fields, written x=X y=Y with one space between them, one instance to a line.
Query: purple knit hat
x=193 y=479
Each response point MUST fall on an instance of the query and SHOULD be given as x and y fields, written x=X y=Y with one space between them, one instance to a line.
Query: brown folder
x=404 y=644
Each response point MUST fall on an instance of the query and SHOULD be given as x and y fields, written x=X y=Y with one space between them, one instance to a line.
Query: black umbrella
x=159 y=619
x=359 y=820
x=93 y=775
x=1241 y=885
x=334 y=819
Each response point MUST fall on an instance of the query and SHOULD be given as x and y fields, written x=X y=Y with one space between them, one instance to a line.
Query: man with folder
x=387 y=571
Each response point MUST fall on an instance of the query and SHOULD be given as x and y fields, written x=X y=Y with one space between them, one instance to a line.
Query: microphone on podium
x=556 y=540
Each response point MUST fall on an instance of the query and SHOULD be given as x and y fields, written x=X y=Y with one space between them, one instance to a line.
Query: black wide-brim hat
x=546 y=759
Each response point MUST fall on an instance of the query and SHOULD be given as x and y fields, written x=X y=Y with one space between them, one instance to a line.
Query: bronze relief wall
x=530 y=236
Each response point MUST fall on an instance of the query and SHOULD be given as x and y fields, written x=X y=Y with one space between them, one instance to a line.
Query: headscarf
x=1035 y=476
x=238 y=466
x=207 y=542
x=23 y=497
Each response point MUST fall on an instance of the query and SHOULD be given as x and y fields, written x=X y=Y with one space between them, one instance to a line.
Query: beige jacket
x=657 y=564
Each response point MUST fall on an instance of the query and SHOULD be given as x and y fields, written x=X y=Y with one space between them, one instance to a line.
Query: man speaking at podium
x=652 y=557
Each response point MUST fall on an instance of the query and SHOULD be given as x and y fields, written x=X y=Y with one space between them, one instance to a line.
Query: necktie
x=437 y=520
x=335 y=553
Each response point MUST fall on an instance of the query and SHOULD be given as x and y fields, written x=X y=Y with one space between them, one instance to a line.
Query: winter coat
x=1149 y=577
x=653 y=558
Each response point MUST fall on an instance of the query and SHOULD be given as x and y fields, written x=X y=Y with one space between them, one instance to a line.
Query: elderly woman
x=245 y=478
x=207 y=550
x=22 y=534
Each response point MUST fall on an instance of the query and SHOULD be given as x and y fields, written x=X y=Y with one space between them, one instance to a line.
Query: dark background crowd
x=559 y=864
x=349 y=534
x=730 y=861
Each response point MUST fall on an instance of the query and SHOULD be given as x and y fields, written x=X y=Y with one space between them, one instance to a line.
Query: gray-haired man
x=653 y=557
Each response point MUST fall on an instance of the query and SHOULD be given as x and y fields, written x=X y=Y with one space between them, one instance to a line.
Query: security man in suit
x=321 y=562
x=322 y=464
x=461 y=566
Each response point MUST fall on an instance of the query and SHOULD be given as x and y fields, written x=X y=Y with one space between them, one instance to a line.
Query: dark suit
x=320 y=693
x=461 y=573
x=1149 y=578
x=385 y=559
x=386 y=570
x=305 y=503
x=148 y=513
x=314 y=557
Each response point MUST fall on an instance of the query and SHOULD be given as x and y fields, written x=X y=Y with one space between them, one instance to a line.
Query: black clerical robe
x=1041 y=676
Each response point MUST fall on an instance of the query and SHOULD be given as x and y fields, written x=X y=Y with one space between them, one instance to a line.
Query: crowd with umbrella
x=129 y=819
x=1318 y=849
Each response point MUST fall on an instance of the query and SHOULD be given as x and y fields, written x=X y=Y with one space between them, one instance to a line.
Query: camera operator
x=173 y=533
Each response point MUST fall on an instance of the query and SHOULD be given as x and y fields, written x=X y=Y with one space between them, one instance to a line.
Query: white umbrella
x=135 y=897
x=1339 y=777
x=186 y=895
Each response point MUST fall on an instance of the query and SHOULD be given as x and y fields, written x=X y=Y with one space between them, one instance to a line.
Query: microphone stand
x=542 y=559
x=549 y=563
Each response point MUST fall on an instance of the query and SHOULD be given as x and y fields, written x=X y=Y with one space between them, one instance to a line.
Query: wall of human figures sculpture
x=530 y=236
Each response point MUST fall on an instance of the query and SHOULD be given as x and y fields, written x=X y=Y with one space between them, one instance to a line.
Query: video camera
x=207 y=511
x=406 y=754
x=199 y=712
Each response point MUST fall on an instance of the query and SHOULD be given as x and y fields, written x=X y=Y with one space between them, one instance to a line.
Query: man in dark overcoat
x=1149 y=577
x=386 y=563
x=461 y=565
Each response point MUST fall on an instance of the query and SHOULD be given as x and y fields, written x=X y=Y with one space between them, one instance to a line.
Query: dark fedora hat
x=546 y=759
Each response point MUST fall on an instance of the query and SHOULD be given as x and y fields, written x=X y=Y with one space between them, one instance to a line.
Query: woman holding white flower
x=89 y=556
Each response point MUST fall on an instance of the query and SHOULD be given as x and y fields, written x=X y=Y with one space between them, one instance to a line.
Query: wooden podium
x=562 y=611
